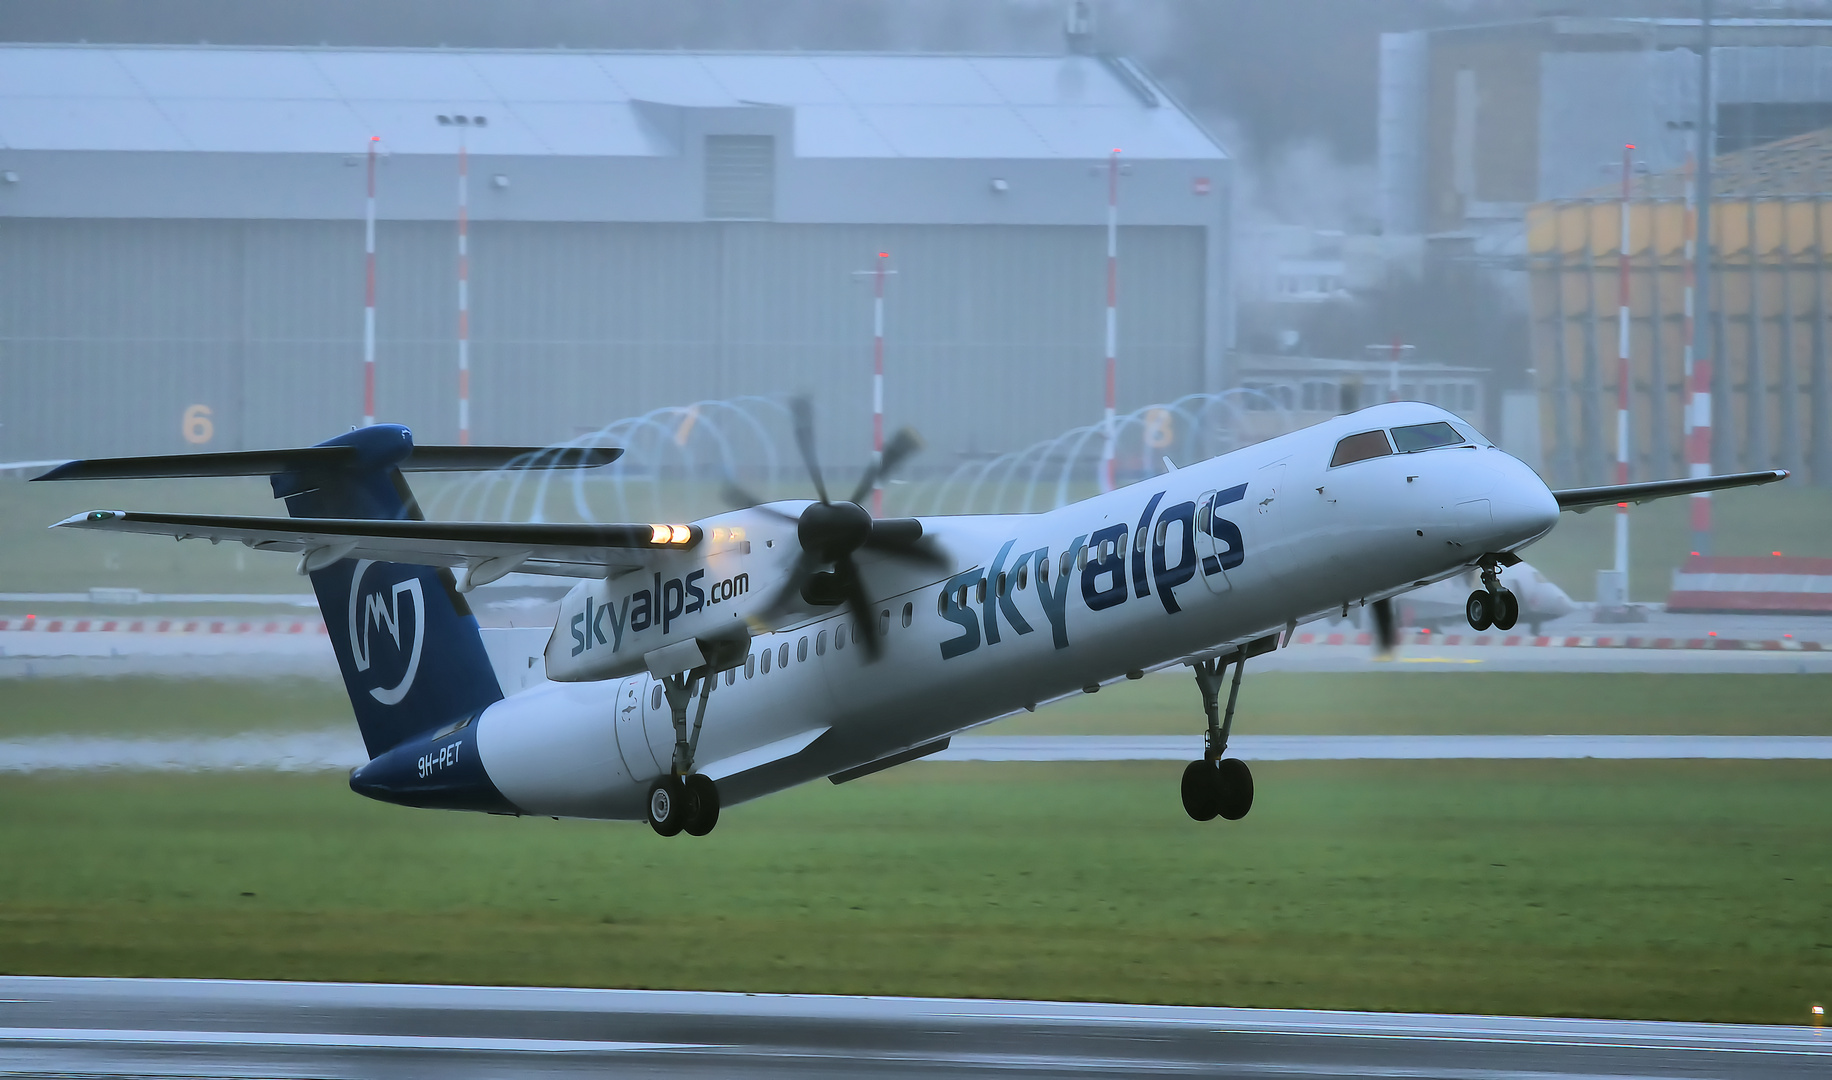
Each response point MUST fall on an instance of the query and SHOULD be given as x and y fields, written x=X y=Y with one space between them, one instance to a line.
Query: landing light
x=670 y=534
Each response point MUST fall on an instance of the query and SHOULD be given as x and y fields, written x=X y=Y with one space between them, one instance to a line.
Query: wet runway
x=160 y=1028
x=1384 y=747
x=339 y=749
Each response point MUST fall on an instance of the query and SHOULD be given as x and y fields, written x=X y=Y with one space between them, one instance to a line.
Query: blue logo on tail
x=393 y=613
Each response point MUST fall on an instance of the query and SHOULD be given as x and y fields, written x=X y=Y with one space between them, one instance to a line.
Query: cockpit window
x=1426 y=437
x=1368 y=444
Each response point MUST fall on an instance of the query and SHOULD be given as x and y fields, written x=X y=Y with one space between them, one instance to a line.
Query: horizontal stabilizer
x=563 y=550
x=330 y=459
x=1582 y=499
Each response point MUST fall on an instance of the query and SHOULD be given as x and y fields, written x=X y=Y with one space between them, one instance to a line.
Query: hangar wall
x=113 y=331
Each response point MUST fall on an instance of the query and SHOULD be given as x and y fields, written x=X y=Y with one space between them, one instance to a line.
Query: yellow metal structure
x=1767 y=334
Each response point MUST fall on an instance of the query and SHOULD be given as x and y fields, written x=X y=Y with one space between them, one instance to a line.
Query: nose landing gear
x=1218 y=785
x=1493 y=605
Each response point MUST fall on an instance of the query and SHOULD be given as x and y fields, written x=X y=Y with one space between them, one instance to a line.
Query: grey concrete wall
x=111 y=329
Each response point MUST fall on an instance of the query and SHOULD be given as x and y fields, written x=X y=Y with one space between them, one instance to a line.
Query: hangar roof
x=580 y=104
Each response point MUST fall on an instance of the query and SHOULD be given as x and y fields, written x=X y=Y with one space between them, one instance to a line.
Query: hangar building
x=182 y=234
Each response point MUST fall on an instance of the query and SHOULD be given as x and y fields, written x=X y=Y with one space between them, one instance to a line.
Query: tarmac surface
x=31 y=654
x=169 y=1028
x=340 y=749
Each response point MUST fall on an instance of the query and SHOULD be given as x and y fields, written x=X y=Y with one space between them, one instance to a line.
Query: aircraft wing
x=488 y=549
x=321 y=458
x=1582 y=499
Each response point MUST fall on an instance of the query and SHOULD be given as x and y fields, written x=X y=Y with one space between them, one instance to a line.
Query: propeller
x=830 y=532
x=1386 y=632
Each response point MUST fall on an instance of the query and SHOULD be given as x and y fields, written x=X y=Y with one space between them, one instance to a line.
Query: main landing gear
x=1492 y=605
x=1218 y=786
x=683 y=800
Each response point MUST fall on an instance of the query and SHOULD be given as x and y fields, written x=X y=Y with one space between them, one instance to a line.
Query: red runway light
x=1775 y=553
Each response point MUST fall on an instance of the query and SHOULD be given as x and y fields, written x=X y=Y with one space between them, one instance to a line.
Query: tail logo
x=379 y=610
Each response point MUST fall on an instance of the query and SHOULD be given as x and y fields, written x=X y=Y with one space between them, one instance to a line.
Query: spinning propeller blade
x=803 y=411
x=829 y=533
x=1386 y=632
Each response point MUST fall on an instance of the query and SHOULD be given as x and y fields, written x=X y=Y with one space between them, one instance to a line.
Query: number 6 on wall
x=197 y=427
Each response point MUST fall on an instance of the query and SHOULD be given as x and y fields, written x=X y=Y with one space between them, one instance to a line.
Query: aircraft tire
x=1479 y=610
x=667 y=806
x=1201 y=785
x=1235 y=793
x=1507 y=610
x=702 y=805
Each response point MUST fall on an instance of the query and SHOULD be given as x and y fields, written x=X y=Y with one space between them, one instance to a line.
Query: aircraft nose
x=1523 y=506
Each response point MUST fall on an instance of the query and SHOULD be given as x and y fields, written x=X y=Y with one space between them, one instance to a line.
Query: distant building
x=1767 y=331
x=1478 y=122
x=181 y=240
x=1289 y=392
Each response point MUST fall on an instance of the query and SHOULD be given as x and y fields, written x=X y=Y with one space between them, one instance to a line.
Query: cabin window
x=655 y=699
x=909 y=616
x=1368 y=444
x=750 y=666
x=764 y=661
x=1003 y=584
x=820 y=645
x=1202 y=513
x=1163 y=528
x=1416 y=437
x=1081 y=558
x=979 y=591
x=731 y=676
x=1023 y=575
x=839 y=637
x=1068 y=559
x=1138 y=541
x=782 y=655
x=801 y=650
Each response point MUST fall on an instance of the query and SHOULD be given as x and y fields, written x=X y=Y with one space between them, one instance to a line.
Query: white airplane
x=1541 y=600
x=696 y=666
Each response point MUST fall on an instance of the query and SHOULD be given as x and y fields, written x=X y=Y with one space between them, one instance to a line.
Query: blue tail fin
x=408 y=645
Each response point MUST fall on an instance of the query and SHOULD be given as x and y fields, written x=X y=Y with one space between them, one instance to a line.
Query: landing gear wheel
x=667 y=806
x=1234 y=795
x=1507 y=610
x=1479 y=611
x=1201 y=786
x=702 y=805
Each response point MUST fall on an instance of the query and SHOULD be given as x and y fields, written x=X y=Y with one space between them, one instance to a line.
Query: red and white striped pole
x=1696 y=392
x=1698 y=379
x=369 y=294
x=877 y=385
x=1622 y=371
x=464 y=294
x=1107 y=467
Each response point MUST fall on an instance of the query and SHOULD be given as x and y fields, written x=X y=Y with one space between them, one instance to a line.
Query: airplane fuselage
x=1042 y=606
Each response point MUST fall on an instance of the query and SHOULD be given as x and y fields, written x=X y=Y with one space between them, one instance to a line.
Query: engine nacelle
x=606 y=628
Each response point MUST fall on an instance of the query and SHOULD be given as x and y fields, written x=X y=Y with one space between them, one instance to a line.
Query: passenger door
x=1268 y=525
x=632 y=740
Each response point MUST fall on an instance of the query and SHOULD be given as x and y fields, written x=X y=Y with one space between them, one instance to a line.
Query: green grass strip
x=1678 y=890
